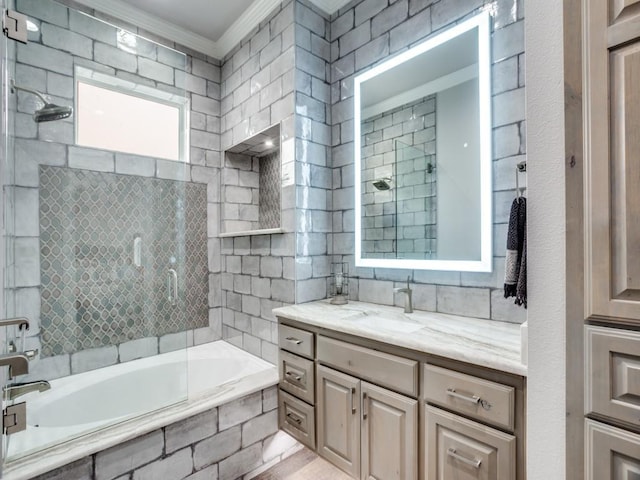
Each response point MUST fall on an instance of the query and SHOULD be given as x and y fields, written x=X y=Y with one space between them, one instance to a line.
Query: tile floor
x=303 y=465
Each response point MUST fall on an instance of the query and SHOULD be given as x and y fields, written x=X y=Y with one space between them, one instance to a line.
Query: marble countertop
x=481 y=342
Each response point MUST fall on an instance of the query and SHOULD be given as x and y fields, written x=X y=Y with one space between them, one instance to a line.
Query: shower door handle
x=172 y=286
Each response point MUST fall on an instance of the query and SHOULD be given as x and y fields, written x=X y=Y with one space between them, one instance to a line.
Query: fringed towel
x=515 y=275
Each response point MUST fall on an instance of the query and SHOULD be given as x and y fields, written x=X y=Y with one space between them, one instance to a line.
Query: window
x=120 y=115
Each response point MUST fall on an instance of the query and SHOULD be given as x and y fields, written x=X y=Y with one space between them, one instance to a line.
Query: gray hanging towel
x=515 y=274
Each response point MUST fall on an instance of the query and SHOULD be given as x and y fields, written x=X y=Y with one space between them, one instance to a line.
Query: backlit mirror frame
x=482 y=23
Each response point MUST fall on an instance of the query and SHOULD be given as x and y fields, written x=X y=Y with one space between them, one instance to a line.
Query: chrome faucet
x=18 y=363
x=18 y=389
x=408 y=306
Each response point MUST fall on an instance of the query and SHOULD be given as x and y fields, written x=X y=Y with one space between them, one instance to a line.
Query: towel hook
x=520 y=168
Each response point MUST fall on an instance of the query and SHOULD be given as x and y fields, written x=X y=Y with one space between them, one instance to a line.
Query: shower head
x=382 y=183
x=50 y=111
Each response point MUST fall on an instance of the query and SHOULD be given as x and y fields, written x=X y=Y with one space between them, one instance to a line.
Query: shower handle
x=172 y=286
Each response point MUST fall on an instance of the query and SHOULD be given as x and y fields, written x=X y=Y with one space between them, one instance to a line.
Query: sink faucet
x=18 y=389
x=18 y=363
x=408 y=306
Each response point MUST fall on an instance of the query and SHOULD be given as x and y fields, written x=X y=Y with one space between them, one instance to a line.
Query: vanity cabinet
x=296 y=395
x=460 y=447
x=380 y=412
x=368 y=431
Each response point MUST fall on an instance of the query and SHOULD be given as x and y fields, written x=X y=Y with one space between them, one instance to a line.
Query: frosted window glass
x=112 y=120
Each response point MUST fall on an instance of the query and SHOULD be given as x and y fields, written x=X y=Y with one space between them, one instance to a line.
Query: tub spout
x=18 y=389
x=18 y=363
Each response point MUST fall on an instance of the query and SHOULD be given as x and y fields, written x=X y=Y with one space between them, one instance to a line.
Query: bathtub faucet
x=18 y=389
x=18 y=363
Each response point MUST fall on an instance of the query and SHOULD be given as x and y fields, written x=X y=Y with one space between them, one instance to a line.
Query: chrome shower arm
x=28 y=90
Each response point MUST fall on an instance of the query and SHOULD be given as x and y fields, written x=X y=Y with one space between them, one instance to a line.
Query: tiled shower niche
x=251 y=185
x=107 y=245
x=399 y=192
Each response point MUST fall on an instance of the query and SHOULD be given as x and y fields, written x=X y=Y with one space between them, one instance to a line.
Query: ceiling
x=213 y=27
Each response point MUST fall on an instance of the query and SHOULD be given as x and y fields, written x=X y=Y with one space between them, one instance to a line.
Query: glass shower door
x=416 y=202
x=102 y=252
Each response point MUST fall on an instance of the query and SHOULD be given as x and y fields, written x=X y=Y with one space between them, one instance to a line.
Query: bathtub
x=168 y=388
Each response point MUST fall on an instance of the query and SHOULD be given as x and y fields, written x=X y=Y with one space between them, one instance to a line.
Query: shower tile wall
x=66 y=38
x=93 y=294
x=269 y=184
x=400 y=222
x=313 y=152
x=251 y=192
x=282 y=65
x=365 y=33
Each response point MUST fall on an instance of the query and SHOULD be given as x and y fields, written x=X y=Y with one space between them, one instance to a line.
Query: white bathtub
x=144 y=394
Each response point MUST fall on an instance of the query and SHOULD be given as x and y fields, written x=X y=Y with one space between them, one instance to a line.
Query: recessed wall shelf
x=251 y=186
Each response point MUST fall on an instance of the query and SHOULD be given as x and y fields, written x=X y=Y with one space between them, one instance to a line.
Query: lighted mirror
x=423 y=155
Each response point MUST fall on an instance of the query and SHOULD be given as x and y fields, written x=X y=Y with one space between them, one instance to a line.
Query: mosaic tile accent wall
x=270 y=191
x=400 y=144
x=93 y=293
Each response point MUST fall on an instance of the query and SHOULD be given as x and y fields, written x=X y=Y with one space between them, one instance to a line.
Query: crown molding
x=257 y=12
x=330 y=6
x=251 y=18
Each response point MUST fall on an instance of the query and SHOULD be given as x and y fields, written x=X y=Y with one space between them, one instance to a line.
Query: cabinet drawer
x=613 y=373
x=397 y=373
x=297 y=419
x=459 y=448
x=481 y=399
x=611 y=453
x=297 y=376
x=296 y=341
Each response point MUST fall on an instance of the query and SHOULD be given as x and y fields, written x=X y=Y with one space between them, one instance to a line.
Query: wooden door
x=389 y=435
x=612 y=156
x=460 y=449
x=338 y=414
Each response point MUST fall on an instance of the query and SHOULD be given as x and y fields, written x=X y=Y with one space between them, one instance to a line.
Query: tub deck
x=240 y=374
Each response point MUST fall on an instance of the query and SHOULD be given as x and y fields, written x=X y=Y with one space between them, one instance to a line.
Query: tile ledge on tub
x=482 y=342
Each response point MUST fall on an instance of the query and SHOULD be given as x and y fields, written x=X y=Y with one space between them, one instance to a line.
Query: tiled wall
x=313 y=153
x=400 y=222
x=223 y=443
x=94 y=292
x=281 y=65
x=251 y=192
x=67 y=38
x=365 y=33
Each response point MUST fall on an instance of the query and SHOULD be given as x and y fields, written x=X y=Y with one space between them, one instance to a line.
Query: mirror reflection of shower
x=50 y=112
x=382 y=183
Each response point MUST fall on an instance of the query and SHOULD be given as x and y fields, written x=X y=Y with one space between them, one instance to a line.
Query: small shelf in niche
x=251 y=186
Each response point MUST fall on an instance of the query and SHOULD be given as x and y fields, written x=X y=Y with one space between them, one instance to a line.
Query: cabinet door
x=389 y=435
x=457 y=448
x=612 y=156
x=338 y=413
x=612 y=454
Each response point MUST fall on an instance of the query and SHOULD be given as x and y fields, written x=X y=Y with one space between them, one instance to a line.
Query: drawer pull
x=294 y=418
x=468 y=461
x=297 y=378
x=476 y=400
x=293 y=340
x=364 y=406
x=353 y=404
